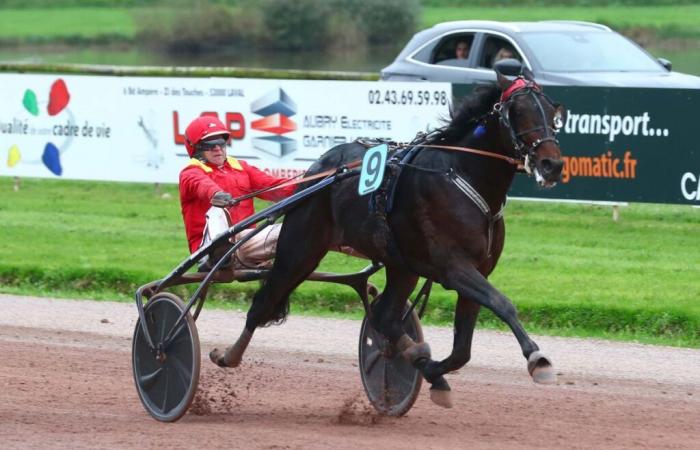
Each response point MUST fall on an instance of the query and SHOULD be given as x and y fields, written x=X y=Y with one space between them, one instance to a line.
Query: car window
x=453 y=50
x=587 y=52
x=495 y=49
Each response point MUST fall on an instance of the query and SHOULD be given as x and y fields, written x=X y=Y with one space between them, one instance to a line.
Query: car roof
x=405 y=68
x=521 y=27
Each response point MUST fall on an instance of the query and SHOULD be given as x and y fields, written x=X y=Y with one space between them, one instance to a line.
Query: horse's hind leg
x=466 y=313
x=386 y=318
x=469 y=283
x=303 y=242
x=389 y=307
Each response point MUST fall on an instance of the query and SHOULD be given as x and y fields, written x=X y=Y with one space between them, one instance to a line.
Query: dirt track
x=66 y=383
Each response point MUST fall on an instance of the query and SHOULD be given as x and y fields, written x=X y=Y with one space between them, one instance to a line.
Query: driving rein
x=522 y=160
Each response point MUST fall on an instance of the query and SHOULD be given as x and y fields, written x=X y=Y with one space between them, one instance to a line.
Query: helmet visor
x=211 y=144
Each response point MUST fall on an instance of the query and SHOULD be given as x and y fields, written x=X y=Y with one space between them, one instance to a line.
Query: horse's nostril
x=551 y=166
x=546 y=165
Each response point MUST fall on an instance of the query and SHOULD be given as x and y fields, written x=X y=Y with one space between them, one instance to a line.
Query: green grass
x=686 y=60
x=569 y=269
x=49 y=24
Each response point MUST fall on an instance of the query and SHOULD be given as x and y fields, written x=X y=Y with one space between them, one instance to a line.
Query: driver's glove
x=221 y=199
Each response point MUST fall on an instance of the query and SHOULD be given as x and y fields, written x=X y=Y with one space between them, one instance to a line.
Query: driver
x=213 y=178
x=462 y=50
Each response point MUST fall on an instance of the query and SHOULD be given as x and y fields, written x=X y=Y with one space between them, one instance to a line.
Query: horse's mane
x=465 y=116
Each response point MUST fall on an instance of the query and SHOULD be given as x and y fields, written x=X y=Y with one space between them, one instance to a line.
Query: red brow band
x=518 y=84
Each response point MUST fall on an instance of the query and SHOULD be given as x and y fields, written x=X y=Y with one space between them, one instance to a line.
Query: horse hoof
x=233 y=362
x=540 y=368
x=417 y=352
x=217 y=357
x=441 y=397
x=544 y=375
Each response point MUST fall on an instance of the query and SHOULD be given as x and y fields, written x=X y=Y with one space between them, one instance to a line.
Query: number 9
x=373 y=163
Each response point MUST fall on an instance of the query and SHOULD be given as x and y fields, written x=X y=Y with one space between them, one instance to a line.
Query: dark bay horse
x=445 y=224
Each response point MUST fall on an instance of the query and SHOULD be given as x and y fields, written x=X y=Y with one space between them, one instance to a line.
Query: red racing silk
x=199 y=181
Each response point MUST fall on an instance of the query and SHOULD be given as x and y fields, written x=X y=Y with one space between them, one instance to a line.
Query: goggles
x=209 y=145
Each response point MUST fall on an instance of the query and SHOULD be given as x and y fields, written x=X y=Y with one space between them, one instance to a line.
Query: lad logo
x=277 y=108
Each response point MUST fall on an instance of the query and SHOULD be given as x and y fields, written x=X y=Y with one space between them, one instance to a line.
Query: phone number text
x=417 y=97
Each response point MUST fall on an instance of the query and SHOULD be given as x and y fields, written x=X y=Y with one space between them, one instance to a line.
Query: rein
x=508 y=159
x=519 y=87
x=297 y=180
x=357 y=163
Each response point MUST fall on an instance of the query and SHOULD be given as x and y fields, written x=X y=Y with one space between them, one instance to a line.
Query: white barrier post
x=616 y=213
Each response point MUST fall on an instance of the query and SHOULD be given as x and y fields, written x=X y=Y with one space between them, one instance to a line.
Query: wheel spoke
x=161 y=328
x=149 y=380
x=376 y=335
x=178 y=336
x=184 y=373
x=371 y=360
x=386 y=396
x=165 y=391
x=396 y=376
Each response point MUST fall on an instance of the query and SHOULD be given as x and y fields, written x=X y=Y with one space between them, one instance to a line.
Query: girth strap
x=468 y=190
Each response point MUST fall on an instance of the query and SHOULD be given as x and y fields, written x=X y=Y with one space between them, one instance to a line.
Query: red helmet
x=201 y=128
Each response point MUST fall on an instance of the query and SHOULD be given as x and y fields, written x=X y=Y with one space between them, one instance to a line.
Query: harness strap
x=358 y=162
x=297 y=180
x=468 y=190
x=508 y=159
x=464 y=186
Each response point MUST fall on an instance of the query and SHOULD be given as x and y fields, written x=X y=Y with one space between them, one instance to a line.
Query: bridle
x=523 y=153
x=522 y=150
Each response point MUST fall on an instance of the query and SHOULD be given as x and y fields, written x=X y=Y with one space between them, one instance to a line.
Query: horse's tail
x=279 y=314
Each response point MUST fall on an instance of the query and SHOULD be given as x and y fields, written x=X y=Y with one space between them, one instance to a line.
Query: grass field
x=50 y=23
x=569 y=269
x=90 y=23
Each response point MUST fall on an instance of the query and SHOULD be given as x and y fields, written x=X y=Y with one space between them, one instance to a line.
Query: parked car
x=558 y=53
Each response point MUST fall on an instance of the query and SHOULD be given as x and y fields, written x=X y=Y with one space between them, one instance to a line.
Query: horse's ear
x=527 y=73
x=503 y=82
x=559 y=117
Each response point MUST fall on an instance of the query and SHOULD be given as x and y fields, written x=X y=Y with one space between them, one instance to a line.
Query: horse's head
x=529 y=121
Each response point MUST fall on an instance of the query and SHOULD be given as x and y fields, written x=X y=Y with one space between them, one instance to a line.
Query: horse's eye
x=558 y=121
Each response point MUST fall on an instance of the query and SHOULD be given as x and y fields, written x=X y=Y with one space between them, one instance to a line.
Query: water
x=685 y=59
x=355 y=61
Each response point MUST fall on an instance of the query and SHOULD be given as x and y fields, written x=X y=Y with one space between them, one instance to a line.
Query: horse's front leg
x=469 y=283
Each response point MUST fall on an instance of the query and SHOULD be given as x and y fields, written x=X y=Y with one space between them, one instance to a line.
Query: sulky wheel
x=166 y=378
x=392 y=384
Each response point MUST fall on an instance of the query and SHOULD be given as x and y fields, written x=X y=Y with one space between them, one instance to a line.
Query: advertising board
x=132 y=128
x=624 y=145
